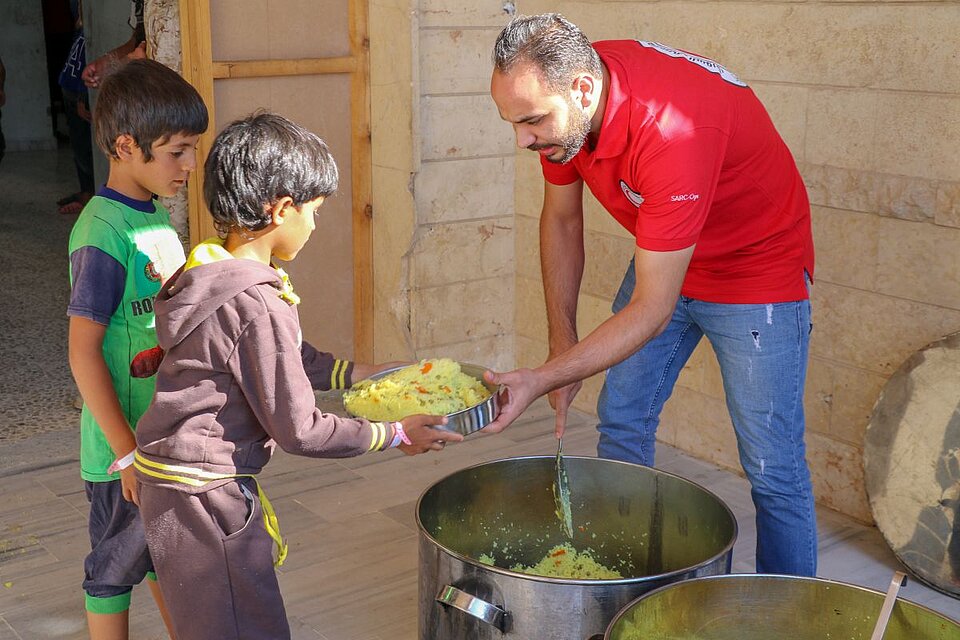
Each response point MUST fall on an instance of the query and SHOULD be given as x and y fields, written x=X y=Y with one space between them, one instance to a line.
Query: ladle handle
x=899 y=579
x=472 y=605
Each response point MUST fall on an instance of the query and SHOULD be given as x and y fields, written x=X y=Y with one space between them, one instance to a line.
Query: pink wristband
x=403 y=436
x=395 y=439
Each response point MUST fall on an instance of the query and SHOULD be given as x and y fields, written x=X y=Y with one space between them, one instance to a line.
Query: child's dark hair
x=149 y=102
x=256 y=161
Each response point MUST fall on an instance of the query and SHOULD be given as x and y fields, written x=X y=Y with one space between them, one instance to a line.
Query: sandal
x=73 y=204
x=73 y=197
x=70 y=208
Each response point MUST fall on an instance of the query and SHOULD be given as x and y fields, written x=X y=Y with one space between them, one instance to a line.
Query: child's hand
x=425 y=438
x=128 y=480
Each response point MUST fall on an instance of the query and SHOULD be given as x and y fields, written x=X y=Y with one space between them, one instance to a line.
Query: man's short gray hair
x=556 y=46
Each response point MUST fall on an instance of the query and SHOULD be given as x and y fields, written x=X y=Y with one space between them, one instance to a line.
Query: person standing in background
x=76 y=105
x=133 y=49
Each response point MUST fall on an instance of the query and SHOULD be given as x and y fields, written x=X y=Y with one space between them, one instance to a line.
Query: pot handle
x=481 y=609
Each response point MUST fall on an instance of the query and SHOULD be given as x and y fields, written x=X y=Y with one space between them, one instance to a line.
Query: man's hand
x=94 y=72
x=522 y=387
x=423 y=437
x=83 y=111
x=139 y=53
x=560 y=400
x=128 y=480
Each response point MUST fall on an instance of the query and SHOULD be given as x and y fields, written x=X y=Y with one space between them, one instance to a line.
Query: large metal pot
x=764 y=607
x=654 y=527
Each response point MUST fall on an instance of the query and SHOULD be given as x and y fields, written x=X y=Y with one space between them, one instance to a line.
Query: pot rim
x=727 y=549
x=776 y=576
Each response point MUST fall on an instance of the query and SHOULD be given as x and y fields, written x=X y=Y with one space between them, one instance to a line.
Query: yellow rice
x=563 y=561
x=435 y=387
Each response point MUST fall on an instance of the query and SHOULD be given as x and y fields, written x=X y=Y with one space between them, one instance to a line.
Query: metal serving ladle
x=899 y=579
x=561 y=493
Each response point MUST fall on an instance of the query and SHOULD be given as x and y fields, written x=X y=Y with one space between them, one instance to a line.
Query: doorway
x=306 y=60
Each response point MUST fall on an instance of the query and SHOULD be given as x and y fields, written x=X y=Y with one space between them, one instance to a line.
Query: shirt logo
x=635 y=198
x=151 y=272
x=700 y=61
x=685 y=197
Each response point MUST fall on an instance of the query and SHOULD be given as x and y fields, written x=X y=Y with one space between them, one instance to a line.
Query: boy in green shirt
x=148 y=121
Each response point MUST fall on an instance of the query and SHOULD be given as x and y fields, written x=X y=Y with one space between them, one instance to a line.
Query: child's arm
x=327 y=372
x=267 y=365
x=96 y=386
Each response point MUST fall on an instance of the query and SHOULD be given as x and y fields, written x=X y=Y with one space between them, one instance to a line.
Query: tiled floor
x=33 y=321
x=352 y=569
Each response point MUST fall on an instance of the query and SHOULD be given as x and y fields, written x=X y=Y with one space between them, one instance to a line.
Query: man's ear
x=584 y=90
x=279 y=209
x=124 y=146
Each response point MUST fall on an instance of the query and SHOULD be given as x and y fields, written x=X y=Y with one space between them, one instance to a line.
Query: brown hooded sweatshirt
x=236 y=379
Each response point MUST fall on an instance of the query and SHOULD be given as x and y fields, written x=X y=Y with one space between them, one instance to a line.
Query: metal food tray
x=471 y=419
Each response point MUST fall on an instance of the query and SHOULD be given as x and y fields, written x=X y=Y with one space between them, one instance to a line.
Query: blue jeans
x=80 y=141
x=762 y=351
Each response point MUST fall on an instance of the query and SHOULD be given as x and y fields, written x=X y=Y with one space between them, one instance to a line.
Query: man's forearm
x=127 y=47
x=659 y=279
x=613 y=341
x=561 y=263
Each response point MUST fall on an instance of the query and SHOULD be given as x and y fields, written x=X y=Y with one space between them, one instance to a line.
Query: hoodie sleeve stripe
x=338 y=374
x=377 y=436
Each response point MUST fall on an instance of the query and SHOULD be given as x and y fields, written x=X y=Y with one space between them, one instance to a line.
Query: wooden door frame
x=200 y=70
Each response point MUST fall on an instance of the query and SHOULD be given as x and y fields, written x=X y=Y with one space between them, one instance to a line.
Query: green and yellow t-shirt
x=121 y=252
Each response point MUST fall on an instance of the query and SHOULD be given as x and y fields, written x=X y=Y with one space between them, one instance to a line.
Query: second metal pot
x=769 y=607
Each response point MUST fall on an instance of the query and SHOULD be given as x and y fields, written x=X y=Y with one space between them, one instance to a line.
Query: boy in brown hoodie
x=236 y=381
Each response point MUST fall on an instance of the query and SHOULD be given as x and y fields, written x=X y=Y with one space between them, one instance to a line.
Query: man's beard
x=575 y=135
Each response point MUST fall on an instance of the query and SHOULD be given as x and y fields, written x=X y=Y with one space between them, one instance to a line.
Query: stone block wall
x=443 y=185
x=867 y=96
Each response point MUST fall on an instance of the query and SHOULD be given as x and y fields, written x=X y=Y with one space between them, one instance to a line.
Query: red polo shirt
x=688 y=155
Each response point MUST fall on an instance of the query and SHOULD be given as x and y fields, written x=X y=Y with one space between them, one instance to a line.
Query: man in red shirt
x=683 y=155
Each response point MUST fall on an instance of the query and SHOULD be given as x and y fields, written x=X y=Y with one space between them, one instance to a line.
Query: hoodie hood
x=198 y=290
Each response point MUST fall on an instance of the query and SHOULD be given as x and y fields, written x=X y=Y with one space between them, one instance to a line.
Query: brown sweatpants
x=214 y=562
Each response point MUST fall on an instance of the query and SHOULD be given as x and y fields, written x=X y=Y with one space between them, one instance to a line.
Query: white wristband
x=121 y=463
